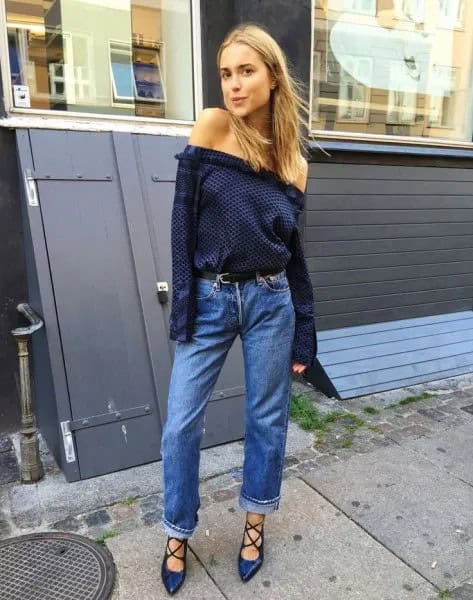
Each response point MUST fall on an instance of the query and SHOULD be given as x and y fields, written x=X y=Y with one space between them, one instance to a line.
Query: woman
x=238 y=268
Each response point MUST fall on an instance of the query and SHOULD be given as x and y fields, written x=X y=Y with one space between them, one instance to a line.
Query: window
x=367 y=7
x=443 y=97
x=316 y=65
x=402 y=94
x=353 y=96
x=398 y=72
x=115 y=57
x=135 y=73
x=451 y=12
x=412 y=10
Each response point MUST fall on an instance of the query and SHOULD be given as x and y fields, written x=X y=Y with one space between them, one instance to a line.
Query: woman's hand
x=298 y=368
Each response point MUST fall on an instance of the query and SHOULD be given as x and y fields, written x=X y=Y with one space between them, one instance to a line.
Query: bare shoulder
x=211 y=126
x=301 y=181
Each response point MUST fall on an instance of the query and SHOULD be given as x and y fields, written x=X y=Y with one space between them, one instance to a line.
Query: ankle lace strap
x=170 y=552
x=249 y=527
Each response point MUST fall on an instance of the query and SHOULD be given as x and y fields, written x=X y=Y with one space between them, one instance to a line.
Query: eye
x=248 y=71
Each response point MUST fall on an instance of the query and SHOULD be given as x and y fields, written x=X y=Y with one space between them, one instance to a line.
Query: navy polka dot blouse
x=237 y=219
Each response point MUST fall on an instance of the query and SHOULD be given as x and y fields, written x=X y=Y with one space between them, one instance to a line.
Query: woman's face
x=245 y=80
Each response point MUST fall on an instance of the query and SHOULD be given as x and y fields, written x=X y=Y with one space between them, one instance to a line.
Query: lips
x=237 y=99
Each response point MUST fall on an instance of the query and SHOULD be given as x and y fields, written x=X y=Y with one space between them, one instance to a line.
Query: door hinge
x=31 y=189
x=111 y=417
x=68 y=441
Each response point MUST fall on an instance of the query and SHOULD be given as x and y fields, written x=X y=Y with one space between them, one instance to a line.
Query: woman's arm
x=305 y=339
x=184 y=224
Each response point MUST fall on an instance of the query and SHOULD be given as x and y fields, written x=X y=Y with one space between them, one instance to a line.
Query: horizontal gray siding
x=388 y=241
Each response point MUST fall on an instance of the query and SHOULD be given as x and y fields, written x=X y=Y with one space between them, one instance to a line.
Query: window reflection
x=395 y=67
x=102 y=56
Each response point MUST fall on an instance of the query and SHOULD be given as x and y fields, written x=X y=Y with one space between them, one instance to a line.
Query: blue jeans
x=260 y=310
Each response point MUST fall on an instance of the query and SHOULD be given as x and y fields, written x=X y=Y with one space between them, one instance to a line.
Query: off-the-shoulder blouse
x=227 y=217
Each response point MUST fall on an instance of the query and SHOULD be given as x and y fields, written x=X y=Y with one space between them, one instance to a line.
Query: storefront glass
x=115 y=57
x=393 y=67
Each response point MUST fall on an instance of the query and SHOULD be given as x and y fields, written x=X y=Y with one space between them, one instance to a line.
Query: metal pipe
x=31 y=467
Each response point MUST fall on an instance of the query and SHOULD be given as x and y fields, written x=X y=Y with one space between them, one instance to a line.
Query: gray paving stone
x=151 y=502
x=310 y=552
x=5 y=529
x=138 y=556
x=451 y=450
x=152 y=517
x=69 y=524
x=222 y=495
x=406 y=433
x=25 y=507
x=97 y=518
x=464 y=592
x=9 y=469
x=416 y=509
x=123 y=511
x=6 y=443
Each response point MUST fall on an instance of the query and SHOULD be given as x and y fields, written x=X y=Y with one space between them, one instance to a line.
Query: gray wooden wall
x=389 y=238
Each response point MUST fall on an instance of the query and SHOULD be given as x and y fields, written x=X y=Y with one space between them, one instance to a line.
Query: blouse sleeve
x=305 y=338
x=183 y=232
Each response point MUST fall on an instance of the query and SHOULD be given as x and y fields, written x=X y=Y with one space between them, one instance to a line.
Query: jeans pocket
x=275 y=283
x=205 y=288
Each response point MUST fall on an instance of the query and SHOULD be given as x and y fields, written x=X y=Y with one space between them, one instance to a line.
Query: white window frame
x=79 y=76
x=437 y=100
x=125 y=49
x=345 y=79
x=410 y=10
x=356 y=6
x=75 y=78
x=451 y=13
x=316 y=70
x=402 y=104
x=51 y=119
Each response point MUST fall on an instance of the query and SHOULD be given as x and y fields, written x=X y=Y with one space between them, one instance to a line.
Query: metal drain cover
x=55 y=566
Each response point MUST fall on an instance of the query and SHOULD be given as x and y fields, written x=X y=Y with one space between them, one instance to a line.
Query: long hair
x=287 y=107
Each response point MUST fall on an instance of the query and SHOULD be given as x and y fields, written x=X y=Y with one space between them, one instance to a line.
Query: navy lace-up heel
x=173 y=579
x=248 y=568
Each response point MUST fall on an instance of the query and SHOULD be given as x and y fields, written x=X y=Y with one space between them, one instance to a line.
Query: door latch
x=68 y=442
x=163 y=289
x=31 y=191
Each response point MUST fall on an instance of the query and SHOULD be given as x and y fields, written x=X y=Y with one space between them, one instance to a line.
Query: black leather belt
x=234 y=277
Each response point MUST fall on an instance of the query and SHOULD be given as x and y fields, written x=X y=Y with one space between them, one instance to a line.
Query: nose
x=235 y=83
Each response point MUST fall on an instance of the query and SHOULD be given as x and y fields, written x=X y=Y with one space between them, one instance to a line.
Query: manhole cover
x=55 y=566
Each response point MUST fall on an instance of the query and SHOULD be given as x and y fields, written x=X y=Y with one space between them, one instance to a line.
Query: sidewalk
x=377 y=507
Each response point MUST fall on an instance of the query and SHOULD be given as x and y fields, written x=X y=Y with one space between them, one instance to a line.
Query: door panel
x=96 y=297
x=99 y=299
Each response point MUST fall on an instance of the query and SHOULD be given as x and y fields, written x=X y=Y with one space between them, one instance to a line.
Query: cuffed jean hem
x=174 y=531
x=255 y=506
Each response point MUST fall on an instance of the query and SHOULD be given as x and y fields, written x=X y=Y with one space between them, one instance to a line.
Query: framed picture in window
x=136 y=72
x=148 y=74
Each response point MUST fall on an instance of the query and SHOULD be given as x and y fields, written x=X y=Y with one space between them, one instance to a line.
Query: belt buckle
x=222 y=280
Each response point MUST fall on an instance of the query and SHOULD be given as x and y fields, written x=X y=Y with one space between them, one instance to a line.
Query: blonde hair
x=287 y=107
